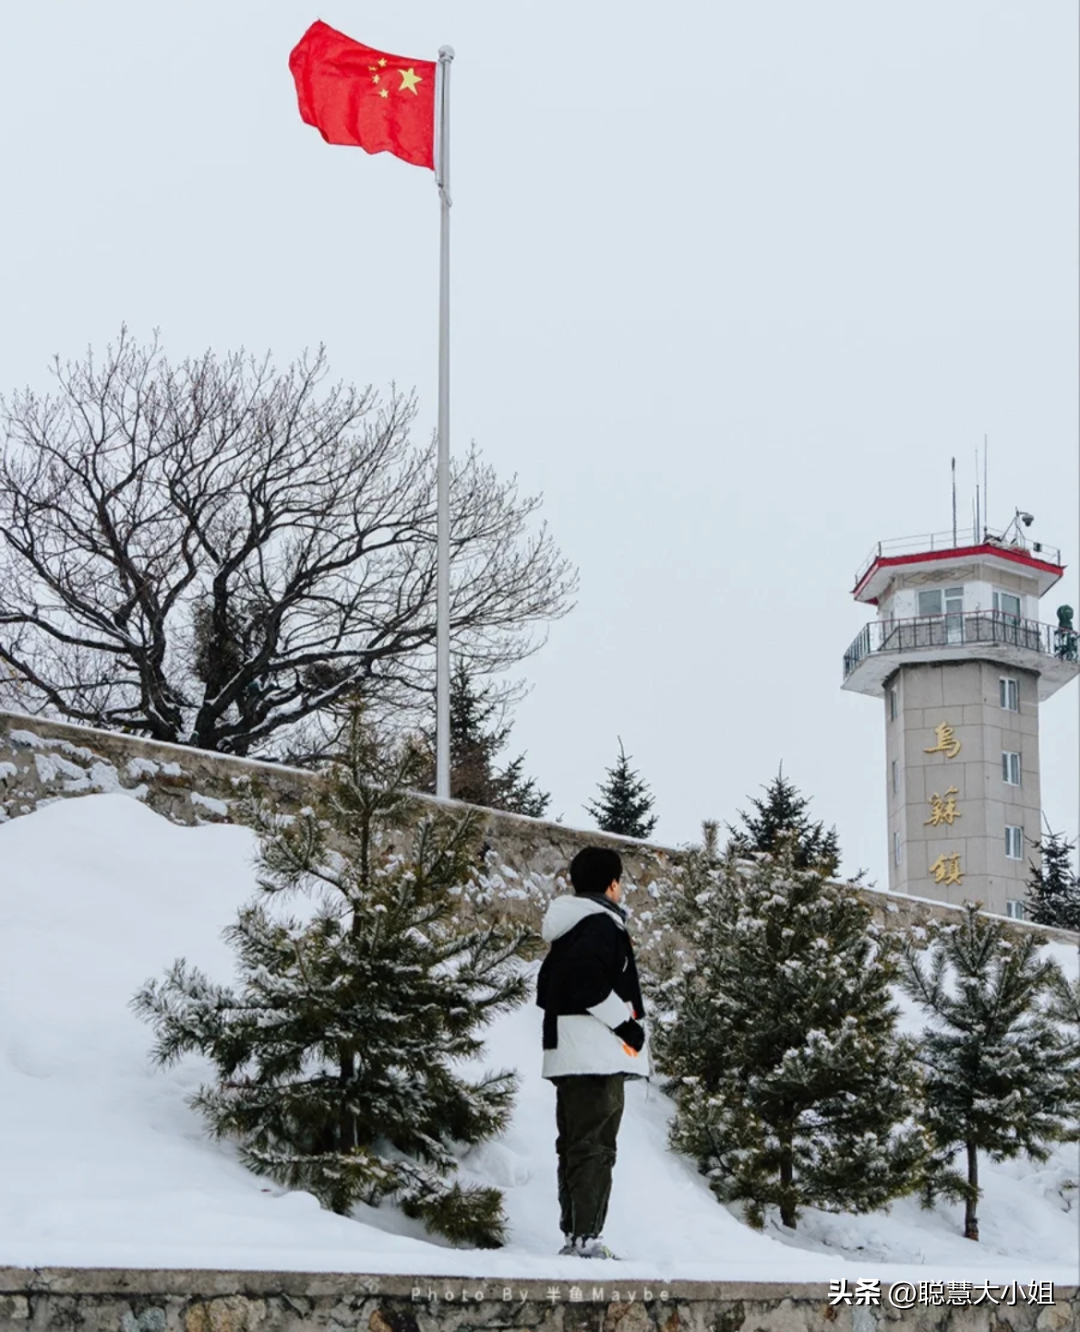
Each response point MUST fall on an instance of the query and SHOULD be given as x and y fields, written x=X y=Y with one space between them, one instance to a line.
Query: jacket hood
x=567 y=911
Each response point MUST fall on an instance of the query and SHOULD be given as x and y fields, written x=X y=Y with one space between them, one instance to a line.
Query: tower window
x=1015 y=910
x=1014 y=842
x=930 y=601
x=1007 y=605
x=896 y=848
x=894 y=704
x=895 y=777
x=1010 y=767
x=1010 y=694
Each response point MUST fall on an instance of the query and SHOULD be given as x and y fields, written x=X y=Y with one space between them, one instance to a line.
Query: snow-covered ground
x=103 y=1164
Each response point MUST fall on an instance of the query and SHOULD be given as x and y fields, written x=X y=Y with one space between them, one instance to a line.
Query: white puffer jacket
x=586 y=1041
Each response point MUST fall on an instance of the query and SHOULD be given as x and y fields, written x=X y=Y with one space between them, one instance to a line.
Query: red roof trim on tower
x=925 y=556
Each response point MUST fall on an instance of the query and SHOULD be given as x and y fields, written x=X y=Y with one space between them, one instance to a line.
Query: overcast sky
x=732 y=282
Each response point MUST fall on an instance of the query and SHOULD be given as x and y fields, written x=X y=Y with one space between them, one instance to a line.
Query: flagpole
x=442 y=594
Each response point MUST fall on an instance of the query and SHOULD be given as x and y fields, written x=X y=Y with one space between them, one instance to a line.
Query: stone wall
x=98 y=1300
x=42 y=761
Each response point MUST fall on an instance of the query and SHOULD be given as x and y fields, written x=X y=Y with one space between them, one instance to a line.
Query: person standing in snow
x=589 y=990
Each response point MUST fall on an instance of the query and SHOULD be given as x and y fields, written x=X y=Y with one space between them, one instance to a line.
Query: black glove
x=631 y=1033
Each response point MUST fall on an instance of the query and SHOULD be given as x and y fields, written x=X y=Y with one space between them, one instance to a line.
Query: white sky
x=732 y=282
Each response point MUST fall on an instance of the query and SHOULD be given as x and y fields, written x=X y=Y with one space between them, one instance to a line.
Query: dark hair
x=594 y=868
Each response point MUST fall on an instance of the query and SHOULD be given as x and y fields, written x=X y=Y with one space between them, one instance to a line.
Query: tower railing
x=961 y=629
x=966 y=536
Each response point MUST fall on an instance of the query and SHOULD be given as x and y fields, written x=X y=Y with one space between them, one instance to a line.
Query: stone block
x=974 y=857
x=225 y=1313
x=913 y=784
x=915 y=867
x=1057 y=1318
x=963 y=686
x=627 y=1318
x=151 y=1318
x=14 y=1310
x=921 y=688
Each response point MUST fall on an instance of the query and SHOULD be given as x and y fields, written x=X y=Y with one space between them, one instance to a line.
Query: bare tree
x=215 y=553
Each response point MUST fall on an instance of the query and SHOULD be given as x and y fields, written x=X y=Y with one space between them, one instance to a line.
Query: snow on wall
x=42 y=761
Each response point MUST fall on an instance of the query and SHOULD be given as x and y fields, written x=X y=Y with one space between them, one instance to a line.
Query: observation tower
x=961 y=661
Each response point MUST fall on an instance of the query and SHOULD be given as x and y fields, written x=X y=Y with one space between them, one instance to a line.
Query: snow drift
x=103 y=1164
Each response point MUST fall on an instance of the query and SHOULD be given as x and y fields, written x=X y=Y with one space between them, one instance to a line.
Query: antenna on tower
x=954 y=503
x=986 y=490
x=978 y=510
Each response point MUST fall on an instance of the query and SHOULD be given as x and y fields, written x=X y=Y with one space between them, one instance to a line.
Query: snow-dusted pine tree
x=782 y=815
x=624 y=802
x=1054 y=886
x=665 y=932
x=1064 y=1009
x=998 y=1069
x=479 y=731
x=335 y=1056
x=780 y=1048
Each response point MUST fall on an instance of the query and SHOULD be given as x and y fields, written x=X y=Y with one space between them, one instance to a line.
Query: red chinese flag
x=364 y=98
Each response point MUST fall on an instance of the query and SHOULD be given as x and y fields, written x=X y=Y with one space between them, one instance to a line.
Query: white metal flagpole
x=442 y=593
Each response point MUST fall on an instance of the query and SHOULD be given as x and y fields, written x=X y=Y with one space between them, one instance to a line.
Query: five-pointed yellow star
x=382 y=64
x=375 y=78
x=409 y=80
x=383 y=92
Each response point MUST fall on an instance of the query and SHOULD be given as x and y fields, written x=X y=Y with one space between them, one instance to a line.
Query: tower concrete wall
x=947 y=798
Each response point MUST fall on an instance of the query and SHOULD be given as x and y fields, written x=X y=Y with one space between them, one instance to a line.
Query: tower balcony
x=882 y=646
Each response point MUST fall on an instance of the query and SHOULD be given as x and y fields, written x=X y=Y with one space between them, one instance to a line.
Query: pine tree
x=477 y=734
x=1054 y=886
x=665 y=929
x=780 y=1047
x=997 y=1069
x=1064 y=1009
x=625 y=801
x=335 y=1057
x=782 y=814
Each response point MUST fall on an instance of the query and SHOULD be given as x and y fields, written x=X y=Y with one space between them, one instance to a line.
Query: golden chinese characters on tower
x=947 y=743
x=946 y=869
x=943 y=808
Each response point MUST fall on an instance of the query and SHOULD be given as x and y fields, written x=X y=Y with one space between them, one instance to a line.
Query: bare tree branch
x=216 y=553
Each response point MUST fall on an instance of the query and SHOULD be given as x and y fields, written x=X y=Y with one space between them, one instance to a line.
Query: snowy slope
x=103 y=1164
